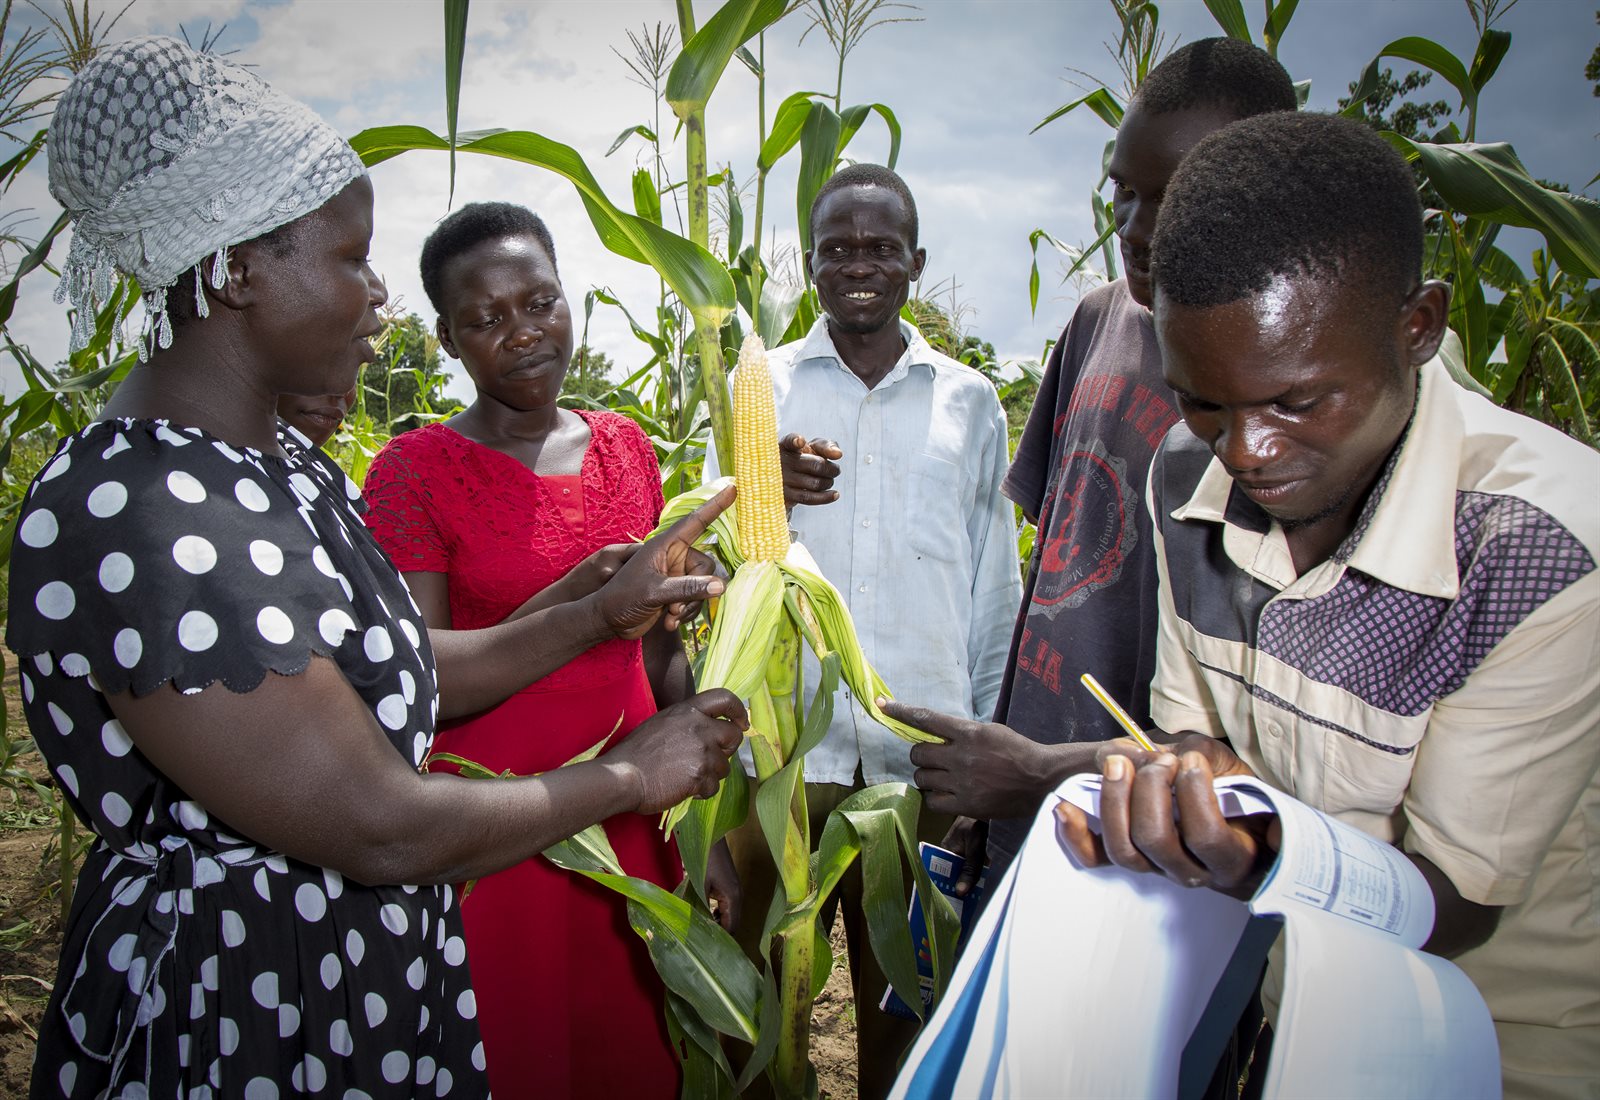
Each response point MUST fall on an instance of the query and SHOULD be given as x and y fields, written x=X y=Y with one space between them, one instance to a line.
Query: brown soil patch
x=833 y=1027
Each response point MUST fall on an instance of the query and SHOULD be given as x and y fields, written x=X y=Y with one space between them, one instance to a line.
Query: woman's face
x=315 y=298
x=505 y=317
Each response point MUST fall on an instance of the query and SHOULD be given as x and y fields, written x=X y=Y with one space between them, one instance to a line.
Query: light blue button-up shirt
x=920 y=541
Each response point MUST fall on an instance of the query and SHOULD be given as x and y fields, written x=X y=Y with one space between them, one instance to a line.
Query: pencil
x=1117 y=712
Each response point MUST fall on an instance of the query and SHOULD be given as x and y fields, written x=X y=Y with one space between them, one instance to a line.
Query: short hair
x=1287 y=194
x=865 y=175
x=1225 y=73
x=469 y=227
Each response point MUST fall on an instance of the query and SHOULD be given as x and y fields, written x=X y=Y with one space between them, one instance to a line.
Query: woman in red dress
x=512 y=505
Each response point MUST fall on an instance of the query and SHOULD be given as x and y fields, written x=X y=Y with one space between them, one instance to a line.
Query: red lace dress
x=568 y=1000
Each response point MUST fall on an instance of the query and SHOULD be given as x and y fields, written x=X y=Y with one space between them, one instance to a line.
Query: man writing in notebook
x=1378 y=590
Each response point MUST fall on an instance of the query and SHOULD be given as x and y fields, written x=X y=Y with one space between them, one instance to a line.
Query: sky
x=968 y=81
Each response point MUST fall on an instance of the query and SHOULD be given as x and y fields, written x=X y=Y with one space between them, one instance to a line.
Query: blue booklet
x=944 y=868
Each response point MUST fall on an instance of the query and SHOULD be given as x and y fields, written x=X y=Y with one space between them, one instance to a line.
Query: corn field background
x=704 y=219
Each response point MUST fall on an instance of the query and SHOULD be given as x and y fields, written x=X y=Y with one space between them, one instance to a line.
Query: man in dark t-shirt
x=1089 y=604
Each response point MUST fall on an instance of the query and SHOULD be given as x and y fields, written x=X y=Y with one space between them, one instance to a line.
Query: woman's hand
x=683 y=751
x=723 y=891
x=1158 y=812
x=664 y=577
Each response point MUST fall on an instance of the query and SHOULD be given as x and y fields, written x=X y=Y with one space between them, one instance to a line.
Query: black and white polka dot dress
x=197 y=963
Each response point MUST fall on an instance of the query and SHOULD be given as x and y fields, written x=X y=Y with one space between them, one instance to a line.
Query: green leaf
x=695 y=957
x=708 y=820
x=455 y=46
x=699 y=280
x=1428 y=53
x=1492 y=49
x=1229 y=15
x=706 y=1072
x=1366 y=87
x=743 y=54
x=786 y=125
x=1100 y=101
x=35 y=257
x=819 y=148
x=851 y=118
x=646 y=200
x=642 y=130
x=704 y=56
x=1489 y=182
x=1302 y=93
x=1278 y=17
x=779 y=300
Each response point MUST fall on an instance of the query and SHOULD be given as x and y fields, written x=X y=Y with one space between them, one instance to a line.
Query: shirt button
x=866 y=523
x=1274 y=730
x=861 y=588
x=867 y=460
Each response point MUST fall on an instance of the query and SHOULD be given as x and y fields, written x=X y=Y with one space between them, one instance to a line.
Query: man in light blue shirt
x=897 y=496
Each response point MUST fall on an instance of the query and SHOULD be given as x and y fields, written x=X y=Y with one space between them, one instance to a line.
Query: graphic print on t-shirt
x=1088 y=529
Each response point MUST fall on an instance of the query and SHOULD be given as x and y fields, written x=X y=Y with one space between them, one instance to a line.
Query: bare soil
x=30 y=939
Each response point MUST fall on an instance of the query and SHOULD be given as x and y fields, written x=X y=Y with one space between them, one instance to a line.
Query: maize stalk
x=776 y=597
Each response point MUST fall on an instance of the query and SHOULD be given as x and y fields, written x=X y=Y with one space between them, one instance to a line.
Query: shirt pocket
x=1365 y=774
x=935 y=520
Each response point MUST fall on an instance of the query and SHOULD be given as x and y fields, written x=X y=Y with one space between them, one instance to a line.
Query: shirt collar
x=1405 y=536
x=918 y=353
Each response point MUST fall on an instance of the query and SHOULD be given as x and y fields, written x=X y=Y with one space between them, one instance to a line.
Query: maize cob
x=763 y=525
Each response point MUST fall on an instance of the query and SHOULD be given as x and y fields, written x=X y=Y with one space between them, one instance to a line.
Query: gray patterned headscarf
x=164 y=156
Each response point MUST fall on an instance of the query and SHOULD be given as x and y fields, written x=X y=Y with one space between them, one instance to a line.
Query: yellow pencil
x=1117 y=712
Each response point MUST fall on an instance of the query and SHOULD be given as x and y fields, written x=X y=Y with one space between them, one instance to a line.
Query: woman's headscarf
x=164 y=155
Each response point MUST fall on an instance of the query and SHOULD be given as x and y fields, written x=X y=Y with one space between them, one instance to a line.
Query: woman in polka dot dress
x=228 y=679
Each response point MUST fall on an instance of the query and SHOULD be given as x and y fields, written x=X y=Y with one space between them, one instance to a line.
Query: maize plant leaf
x=587 y=850
x=646 y=200
x=642 y=130
x=1492 y=49
x=819 y=152
x=36 y=256
x=698 y=278
x=1229 y=15
x=706 y=1072
x=706 y=54
x=1489 y=182
x=455 y=46
x=1469 y=313
x=821 y=959
x=904 y=803
x=787 y=123
x=748 y=615
x=749 y=60
x=1100 y=101
x=1278 y=16
x=1427 y=52
x=695 y=957
x=839 y=631
x=762 y=1054
x=724 y=529
x=775 y=811
x=1302 y=93
x=868 y=829
x=707 y=820
x=850 y=121
x=779 y=301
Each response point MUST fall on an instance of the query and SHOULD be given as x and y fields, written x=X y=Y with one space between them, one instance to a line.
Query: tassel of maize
x=763 y=524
